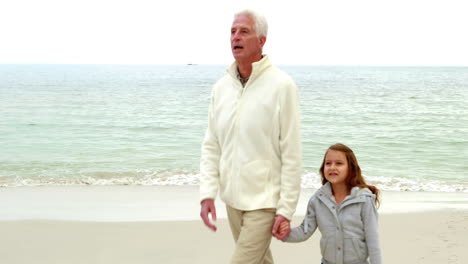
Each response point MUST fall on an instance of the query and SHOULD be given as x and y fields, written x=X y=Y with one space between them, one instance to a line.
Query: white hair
x=260 y=26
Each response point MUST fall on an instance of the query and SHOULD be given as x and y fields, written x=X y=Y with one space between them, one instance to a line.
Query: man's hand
x=208 y=207
x=285 y=229
x=280 y=231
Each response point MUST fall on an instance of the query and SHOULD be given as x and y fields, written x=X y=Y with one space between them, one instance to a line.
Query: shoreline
x=169 y=203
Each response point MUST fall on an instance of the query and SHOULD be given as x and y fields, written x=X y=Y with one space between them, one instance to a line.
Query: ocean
x=143 y=124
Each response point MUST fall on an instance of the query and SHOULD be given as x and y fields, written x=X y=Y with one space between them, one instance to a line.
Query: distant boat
x=191 y=64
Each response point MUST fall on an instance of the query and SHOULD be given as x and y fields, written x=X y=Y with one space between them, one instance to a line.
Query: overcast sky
x=315 y=32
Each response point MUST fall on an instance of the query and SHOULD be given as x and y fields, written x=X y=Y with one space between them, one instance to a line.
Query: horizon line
x=222 y=64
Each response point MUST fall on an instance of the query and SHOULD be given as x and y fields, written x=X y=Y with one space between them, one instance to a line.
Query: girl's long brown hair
x=354 y=171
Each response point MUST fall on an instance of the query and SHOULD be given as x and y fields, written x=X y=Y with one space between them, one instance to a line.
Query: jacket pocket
x=255 y=177
x=355 y=249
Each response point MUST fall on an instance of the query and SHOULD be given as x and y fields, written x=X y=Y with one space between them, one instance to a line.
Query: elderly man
x=252 y=151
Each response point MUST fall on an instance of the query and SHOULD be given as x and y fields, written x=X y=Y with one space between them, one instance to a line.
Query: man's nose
x=235 y=35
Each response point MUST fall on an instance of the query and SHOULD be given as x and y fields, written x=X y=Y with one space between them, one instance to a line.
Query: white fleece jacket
x=252 y=148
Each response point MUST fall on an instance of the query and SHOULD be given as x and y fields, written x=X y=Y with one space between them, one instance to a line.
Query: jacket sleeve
x=291 y=151
x=370 y=218
x=306 y=229
x=210 y=156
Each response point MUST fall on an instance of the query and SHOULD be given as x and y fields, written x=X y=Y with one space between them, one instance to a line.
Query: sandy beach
x=128 y=224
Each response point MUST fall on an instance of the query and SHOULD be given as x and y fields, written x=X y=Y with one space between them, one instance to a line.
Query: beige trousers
x=252 y=232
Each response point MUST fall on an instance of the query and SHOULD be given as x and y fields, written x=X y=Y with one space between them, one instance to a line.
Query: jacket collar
x=356 y=192
x=257 y=68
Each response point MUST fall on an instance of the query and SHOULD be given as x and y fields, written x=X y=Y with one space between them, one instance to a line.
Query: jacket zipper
x=238 y=167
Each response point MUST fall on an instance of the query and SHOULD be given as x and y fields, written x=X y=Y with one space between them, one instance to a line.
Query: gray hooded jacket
x=349 y=230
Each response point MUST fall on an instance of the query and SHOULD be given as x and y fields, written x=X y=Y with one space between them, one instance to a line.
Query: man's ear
x=262 y=40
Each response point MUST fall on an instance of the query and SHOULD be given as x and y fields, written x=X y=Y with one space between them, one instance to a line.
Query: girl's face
x=336 y=167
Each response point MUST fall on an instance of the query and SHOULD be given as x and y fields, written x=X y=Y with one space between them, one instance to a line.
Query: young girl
x=344 y=210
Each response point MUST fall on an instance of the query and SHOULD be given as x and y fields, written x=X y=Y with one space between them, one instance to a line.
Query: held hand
x=208 y=207
x=285 y=228
x=279 y=232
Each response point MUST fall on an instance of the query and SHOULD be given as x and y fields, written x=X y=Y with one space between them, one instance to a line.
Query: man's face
x=245 y=45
